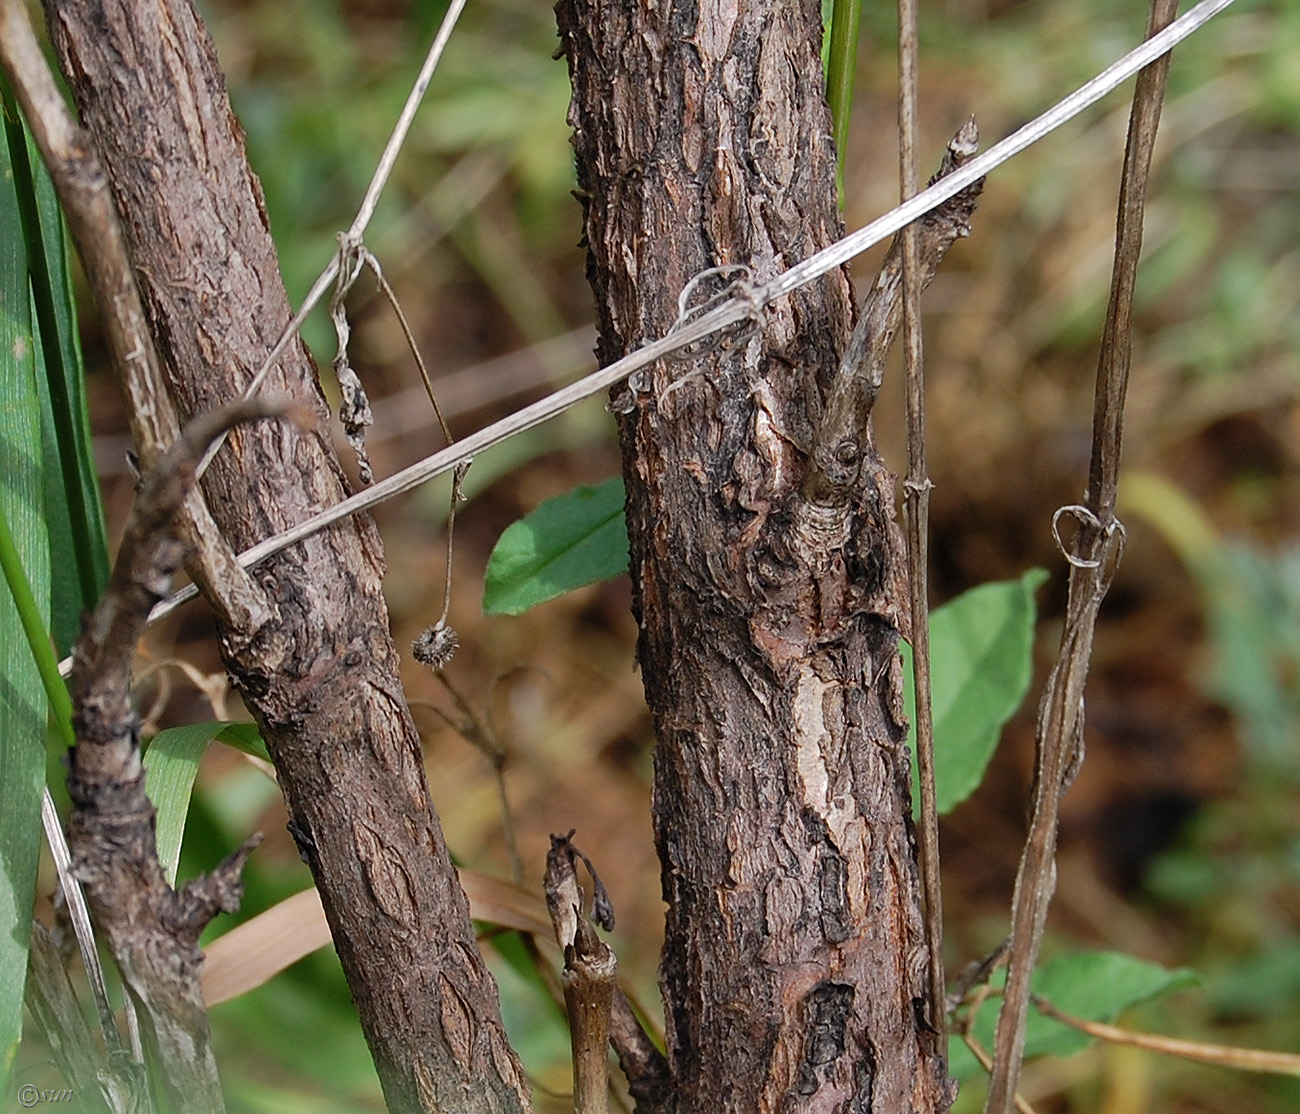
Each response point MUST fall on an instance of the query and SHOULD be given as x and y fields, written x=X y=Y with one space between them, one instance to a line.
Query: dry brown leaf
x=259 y=949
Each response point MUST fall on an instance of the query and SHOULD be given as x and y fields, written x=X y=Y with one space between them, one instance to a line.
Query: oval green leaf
x=567 y=542
x=981 y=662
x=1095 y=986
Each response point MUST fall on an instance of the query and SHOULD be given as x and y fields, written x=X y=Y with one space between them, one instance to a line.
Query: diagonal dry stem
x=353 y=236
x=1093 y=554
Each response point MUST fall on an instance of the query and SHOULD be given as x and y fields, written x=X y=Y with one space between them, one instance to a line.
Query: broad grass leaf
x=23 y=709
x=981 y=663
x=171 y=763
x=73 y=504
x=567 y=542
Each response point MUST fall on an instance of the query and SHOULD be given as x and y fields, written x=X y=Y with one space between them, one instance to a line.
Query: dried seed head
x=436 y=646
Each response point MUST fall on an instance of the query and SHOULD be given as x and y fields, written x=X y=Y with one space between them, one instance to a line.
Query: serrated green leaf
x=1095 y=986
x=981 y=663
x=571 y=540
x=27 y=570
x=171 y=763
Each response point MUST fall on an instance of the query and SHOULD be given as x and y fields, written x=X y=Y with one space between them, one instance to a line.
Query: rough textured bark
x=793 y=969
x=152 y=929
x=321 y=672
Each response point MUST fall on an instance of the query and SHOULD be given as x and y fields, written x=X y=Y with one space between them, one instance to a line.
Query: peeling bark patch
x=818 y=721
x=783 y=906
x=761 y=643
x=825 y=1012
x=457 y=1024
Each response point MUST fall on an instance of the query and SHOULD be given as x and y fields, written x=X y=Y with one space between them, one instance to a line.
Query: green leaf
x=73 y=510
x=171 y=763
x=568 y=541
x=27 y=573
x=536 y=1026
x=981 y=663
x=245 y=737
x=841 y=71
x=1095 y=986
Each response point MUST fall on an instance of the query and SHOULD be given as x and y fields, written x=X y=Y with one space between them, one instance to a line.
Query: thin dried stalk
x=1095 y=551
x=916 y=500
x=986 y=1062
x=599 y=1012
x=588 y=979
x=353 y=236
x=1243 y=1059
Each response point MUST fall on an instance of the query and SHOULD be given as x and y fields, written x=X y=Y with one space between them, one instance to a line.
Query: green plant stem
x=38 y=638
x=841 y=70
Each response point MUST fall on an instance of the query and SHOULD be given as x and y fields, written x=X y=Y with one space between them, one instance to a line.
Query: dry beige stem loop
x=354 y=405
x=1113 y=532
x=740 y=290
x=436 y=646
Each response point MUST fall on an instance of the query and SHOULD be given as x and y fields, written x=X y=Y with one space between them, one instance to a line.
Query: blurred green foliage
x=1235 y=874
x=318 y=92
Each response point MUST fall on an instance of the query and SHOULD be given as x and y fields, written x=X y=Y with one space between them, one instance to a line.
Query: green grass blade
x=24 y=553
x=841 y=70
x=74 y=512
x=171 y=763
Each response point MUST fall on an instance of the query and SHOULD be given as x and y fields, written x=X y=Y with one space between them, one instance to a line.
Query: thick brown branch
x=152 y=930
x=318 y=670
x=794 y=950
